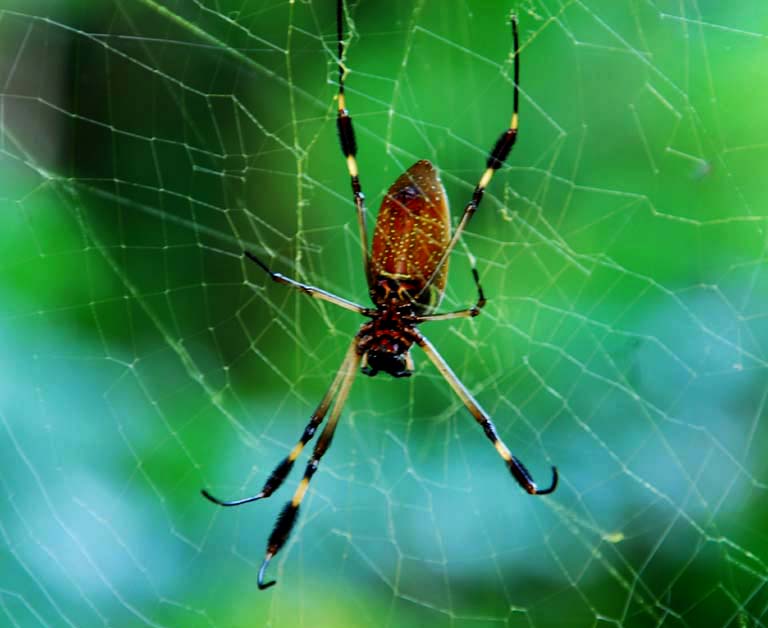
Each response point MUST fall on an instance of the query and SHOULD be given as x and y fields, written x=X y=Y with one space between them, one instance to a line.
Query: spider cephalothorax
x=385 y=343
x=391 y=354
x=406 y=269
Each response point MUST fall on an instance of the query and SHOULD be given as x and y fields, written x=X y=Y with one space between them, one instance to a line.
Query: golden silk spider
x=406 y=270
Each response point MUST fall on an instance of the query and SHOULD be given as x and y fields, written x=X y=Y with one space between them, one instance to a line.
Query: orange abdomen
x=411 y=234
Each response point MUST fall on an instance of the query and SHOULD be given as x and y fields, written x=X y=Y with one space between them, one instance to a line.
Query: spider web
x=622 y=247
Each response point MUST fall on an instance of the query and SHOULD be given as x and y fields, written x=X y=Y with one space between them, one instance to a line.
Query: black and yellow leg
x=516 y=468
x=281 y=471
x=315 y=293
x=349 y=144
x=288 y=515
x=496 y=159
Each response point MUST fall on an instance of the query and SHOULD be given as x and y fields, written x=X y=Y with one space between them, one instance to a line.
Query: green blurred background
x=623 y=249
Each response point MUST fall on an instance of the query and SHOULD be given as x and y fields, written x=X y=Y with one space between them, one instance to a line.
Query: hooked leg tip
x=552 y=486
x=260 y=580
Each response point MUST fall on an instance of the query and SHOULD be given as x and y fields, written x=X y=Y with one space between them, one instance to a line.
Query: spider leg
x=496 y=159
x=315 y=293
x=281 y=471
x=467 y=313
x=349 y=144
x=516 y=468
x=287 y=518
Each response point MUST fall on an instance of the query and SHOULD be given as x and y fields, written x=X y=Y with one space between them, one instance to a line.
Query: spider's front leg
x=287 y=518
x=281 y=471
x=516 y=468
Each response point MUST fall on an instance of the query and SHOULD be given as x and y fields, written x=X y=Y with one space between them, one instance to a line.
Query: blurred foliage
x=145 y=144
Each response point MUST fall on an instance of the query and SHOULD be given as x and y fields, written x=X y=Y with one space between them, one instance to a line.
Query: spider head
x=385 y=344
x=394 y=363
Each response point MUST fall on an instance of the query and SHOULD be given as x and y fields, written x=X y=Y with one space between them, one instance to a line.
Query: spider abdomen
x=411 y=234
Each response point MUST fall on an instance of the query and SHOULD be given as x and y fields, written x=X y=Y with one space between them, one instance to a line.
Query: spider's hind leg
x=495 y=160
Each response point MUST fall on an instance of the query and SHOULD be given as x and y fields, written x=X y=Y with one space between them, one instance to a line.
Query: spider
x=406 y=270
